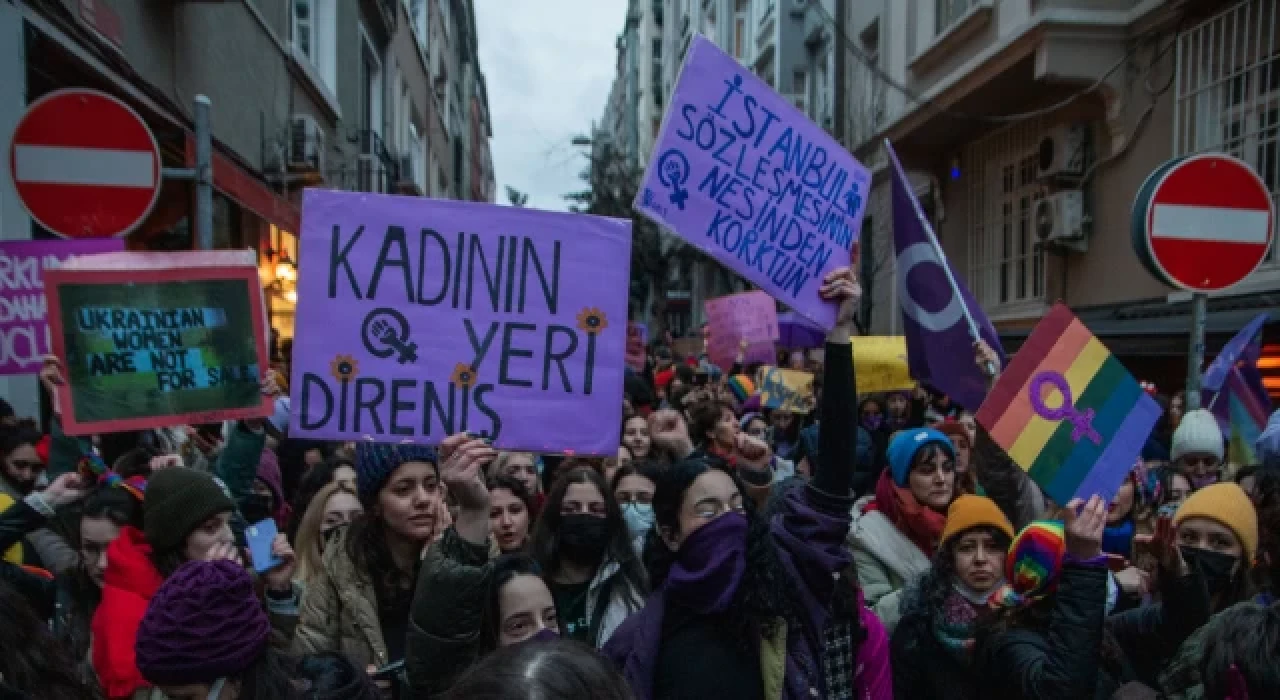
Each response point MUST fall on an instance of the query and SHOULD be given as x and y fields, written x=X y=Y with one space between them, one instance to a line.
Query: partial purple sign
x=24 y=331
x=749 y=316
x=742 y=174
x=419 y=318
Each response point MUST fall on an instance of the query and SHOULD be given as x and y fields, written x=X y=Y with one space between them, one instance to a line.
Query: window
x=800 y=89
x=446 y=17
x=657 y=126
x=420 y=14
x=950 y=11
x=418 y=156
x=314 y=38
x=657 y=12
x=739 y=29
x=370 y=116
x=1228 y=98
x=303 y=25
x=1005 y=266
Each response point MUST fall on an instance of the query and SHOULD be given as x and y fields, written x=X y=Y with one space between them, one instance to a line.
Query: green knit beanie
x=177 y=501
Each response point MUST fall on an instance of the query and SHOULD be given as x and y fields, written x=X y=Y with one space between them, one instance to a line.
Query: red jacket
x=128 y=585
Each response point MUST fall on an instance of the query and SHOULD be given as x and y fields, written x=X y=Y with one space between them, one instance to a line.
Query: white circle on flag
x=933 y=321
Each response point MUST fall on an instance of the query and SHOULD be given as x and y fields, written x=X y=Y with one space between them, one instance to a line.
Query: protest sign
x=636 y=355
x=1068 y=413
x=426 y=317
x=741 y=173
x=785 y=389
x=880 y=363
x=24 y=329
x=749 y=316
x=156 y=339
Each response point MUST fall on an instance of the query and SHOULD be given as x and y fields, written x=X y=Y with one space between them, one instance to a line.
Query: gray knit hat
x=178 y=499
x=375 y=462
x=1197 y=434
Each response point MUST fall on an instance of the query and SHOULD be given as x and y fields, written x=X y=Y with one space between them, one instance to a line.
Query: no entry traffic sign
x=1203 y=223
x=85 y=164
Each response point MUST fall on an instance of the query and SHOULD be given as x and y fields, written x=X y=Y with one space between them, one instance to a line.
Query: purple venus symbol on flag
x=673 y=171
x=1081 y=423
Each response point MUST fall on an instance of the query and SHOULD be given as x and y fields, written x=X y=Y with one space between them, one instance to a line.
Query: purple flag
x=1232 y=386
x=742 y=174
x=24 y=331
x=939 y=345
x=418 y=318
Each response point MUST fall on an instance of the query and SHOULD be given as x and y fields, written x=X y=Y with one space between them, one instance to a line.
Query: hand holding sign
x=841 y=286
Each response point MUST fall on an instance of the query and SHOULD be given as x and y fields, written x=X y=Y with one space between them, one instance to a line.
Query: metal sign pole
x=1195 y=355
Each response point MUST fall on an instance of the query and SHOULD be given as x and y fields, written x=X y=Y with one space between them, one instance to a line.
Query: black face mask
x=255 y=508
x=583 y=537
x=1217 y=568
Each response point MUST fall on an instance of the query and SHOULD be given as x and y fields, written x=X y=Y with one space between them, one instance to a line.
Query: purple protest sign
x=749 y=316
x=742 y=174
x=24 y=331
x=418 y=318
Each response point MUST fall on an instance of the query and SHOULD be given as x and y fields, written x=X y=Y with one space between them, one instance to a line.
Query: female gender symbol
x=1081 y=423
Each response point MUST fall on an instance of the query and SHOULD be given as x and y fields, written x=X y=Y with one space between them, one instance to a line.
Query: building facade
x=364 y=95
x=1027 y=129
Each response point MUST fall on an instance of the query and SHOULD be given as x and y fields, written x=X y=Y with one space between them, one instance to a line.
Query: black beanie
x=176 y=502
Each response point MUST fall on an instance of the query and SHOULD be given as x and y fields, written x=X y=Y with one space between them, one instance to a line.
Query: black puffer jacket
x=1064 y=660
x=448 y=606
x=922 y=668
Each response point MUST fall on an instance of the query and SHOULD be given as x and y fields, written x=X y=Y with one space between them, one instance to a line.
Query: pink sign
x=750 y=316
x=24 y=331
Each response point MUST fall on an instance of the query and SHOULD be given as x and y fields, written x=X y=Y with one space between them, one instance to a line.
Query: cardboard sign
x=419 y=318
x=785 y=389
x=749 y=316
x=1068 y=413
x=741 y=173
x=880 y=363
x=157 y=339
x=24 y=328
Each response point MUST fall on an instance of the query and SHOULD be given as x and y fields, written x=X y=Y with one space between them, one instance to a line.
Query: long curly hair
x=766 y=594
x=927 y=595
x=31 y=660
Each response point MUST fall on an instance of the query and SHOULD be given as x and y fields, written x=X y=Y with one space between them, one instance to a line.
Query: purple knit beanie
x=204 y=623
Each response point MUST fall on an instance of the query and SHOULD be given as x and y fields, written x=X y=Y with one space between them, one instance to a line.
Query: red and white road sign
x=85 y=164
x=1208 y=221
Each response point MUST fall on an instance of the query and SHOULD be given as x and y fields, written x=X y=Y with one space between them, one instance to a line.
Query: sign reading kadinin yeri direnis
x=418 y=318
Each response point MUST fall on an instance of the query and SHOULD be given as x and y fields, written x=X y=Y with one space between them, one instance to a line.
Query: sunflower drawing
x=463 y=376
x=592 y=320
x=344 y=368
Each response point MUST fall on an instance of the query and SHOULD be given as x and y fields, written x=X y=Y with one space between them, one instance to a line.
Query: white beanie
x=1198 y=433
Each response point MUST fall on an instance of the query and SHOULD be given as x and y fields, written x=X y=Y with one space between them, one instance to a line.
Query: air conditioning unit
x=306 y=143
x=1059 y=219
x=1062 y=152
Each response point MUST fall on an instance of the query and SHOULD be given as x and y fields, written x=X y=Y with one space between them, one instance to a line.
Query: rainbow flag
x=1067 y=412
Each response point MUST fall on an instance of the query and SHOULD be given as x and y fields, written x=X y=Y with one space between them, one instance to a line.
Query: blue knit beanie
x=375 y=462
x=905 y=445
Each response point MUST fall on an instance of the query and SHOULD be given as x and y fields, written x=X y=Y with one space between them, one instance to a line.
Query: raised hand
x=841 y=286
x=463 y=470
x=668 y=432
x=1084 y=531
x=67 y=488
x=752 y=453
x=280 y=578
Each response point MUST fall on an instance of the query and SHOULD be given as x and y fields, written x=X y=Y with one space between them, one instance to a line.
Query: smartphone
x=259 y=536
x=388 y=671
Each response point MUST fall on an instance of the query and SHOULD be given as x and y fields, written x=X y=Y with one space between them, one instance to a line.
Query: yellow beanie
x=1227 y=504
x=14 y=554
x=974 y=511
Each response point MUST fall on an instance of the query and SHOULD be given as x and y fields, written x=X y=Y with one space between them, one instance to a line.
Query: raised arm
x=837 y=436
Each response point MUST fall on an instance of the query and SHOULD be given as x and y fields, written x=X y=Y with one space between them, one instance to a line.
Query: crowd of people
x=876 y=547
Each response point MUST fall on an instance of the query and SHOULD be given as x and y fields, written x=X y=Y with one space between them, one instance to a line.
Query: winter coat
x=885 y=559
x=1180 y=677
x=1063 y=661
x=340 y=610
x=448 y=607
x=606 y=614
x=129 y=583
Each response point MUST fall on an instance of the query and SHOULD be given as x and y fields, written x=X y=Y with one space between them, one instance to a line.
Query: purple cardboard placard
x=418 y=318
x=750 y=316
x=741 y=173
x=24 y=330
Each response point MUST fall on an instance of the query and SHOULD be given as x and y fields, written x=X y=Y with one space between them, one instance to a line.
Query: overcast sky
x=549 y=65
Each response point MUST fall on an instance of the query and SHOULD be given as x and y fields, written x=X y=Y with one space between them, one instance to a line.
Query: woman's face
x=1179 y=489
x=782 y=420
x=979 y=559
x=1203 y=533
x=346 y=476
x=757 y=428
x=341 y=508
x=95 y=535
x=725 y=432
x=22 y=467
x=635 y=435
x=932 y=480
x=1202 y=468
x=583 y=498
x=710 y=495
x=872 y=415
x=520 y=467
x=898 y=405
x=1122 y=504
x=525 y=609
x=405 y=503
x=634 y=488
x=970 y=424
x=313 y=458
x=508 y=520
x=963 y=452
x=1175 y=410
x=214 y=531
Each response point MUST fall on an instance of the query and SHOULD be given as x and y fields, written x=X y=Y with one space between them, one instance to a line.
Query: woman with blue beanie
x=359 y=603
x=896 y=530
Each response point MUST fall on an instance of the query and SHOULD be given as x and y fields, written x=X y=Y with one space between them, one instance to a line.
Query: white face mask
x=974 y=596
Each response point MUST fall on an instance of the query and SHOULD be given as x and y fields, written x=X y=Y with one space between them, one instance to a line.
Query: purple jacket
x=809 y=531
